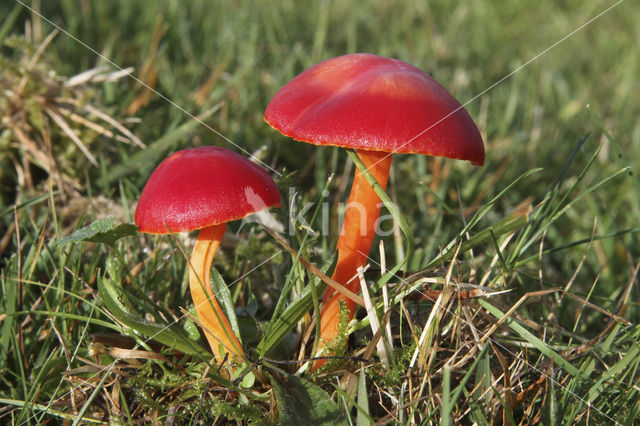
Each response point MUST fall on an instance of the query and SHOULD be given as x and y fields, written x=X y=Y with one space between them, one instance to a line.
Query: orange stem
x=354 y=243
x=216 y=326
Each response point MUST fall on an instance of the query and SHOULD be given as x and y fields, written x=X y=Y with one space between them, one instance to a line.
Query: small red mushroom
x=203 y=189
x=377 y=106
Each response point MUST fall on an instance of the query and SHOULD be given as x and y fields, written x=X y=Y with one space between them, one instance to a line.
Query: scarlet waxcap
x=370 y=102
x=200 y=187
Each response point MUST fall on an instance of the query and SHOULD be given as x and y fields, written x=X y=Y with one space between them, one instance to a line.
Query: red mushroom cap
x=370 y=102
x=200 y=187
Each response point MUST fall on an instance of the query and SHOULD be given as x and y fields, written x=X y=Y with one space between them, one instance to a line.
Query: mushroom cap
x=370 y=102
x=201 y=187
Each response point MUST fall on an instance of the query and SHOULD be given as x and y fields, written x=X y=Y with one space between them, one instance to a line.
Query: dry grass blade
x=96 y=75
x=434 y=317
x=85 y=76
x=102 y=130
x=69 y=132
x=385 y=356
x=122 y=353
x=385 y=294
x=93 y=110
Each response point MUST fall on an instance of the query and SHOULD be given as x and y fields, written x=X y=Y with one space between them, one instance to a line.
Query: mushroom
x=202 y=189
x=378 y=106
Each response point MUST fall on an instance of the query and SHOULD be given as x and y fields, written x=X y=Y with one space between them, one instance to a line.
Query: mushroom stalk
x=354 y=243
x=214 y=322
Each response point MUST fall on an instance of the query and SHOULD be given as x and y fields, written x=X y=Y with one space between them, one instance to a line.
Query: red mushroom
x=378 y=106
x=203 y=189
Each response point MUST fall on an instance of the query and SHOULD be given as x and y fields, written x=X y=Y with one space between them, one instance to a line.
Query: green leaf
x=30 y=202
x=115 y=300
x=221 y=290
x=100 y=231
x=483 y=380
x=8 y=305
x=302 y=403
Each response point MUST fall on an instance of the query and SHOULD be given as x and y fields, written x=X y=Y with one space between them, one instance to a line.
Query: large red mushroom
x=203 y=189
x=378 y=106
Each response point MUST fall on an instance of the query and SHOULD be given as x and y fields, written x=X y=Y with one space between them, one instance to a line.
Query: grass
x=516 y=302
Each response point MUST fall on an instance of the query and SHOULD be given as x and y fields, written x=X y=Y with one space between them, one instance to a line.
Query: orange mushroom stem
x=214 y=322
x=354 y=244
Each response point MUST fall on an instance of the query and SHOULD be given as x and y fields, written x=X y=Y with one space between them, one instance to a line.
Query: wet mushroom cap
x=200 y=187
x=370 y=102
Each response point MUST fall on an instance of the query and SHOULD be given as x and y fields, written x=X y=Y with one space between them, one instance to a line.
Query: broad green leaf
x=100 y=231
x=115 y=300
x=302 y=403
x=221 y=290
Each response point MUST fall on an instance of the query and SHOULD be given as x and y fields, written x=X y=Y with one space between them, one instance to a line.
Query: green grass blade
x=506 y=225
x=79 y=417
x=550 y=404
x=363 y=417
x=44 y=409
x=467 y=376
x=289 y=318
x=445 y=420
x=615 y=372
x=530 y=338
x=9 y=21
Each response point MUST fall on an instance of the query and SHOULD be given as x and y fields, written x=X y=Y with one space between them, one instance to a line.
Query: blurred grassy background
x=232 y=57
